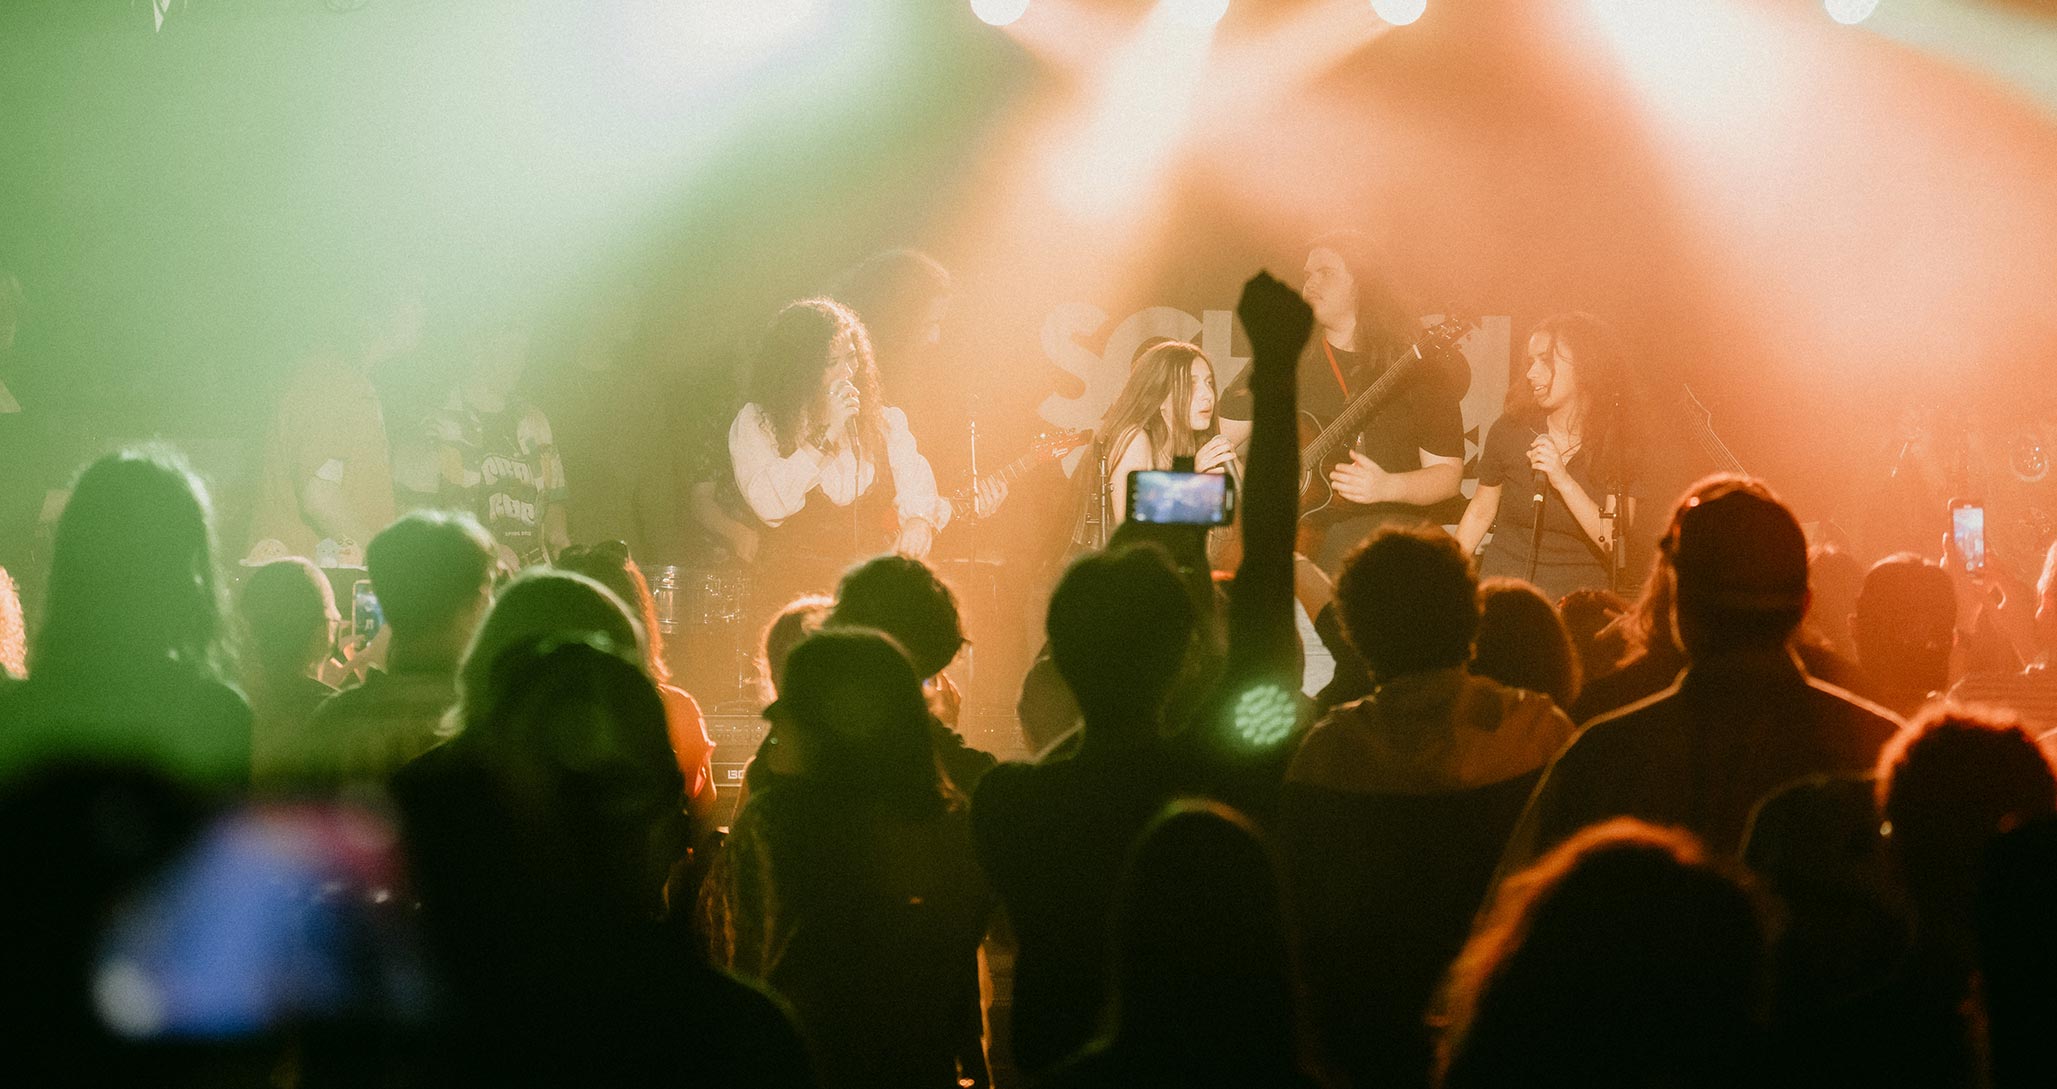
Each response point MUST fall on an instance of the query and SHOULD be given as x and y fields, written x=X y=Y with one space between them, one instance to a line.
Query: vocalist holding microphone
x=830 y=471
x=1556 y=464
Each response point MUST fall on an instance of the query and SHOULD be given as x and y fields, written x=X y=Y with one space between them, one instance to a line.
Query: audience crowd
x=1711 y=837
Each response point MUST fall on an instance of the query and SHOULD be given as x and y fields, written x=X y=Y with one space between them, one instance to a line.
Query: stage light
x=1107 y=168
x=1199 y=14
x=999 y=12
x=1850 y=12
x=1399 y=12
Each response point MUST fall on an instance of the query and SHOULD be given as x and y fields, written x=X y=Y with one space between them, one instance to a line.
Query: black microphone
x=1541 y=484
x=1542 y=498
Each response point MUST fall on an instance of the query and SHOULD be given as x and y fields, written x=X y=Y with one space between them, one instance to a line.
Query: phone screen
x=1968 y=529
x=1181 y=499
x=365 y=617
x=276 y=915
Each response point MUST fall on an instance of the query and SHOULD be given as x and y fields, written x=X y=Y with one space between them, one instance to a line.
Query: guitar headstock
x=1443 y=335
x=1051 y=445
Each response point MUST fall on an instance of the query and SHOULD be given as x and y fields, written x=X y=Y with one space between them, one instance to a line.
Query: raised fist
x=1276 y=319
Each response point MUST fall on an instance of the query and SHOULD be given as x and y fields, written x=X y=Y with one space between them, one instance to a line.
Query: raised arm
x=1263 y=643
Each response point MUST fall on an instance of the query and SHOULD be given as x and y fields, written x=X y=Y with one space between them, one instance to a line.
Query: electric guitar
x=1048 y=446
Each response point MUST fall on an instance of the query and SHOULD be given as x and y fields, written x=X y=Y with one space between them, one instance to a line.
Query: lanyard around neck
x=1334 y=367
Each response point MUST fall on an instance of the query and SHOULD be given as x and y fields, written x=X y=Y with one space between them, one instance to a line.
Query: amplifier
x=736 y=738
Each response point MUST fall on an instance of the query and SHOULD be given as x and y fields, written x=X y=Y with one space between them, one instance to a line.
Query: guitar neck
x=1351 y=419
x=964 y=500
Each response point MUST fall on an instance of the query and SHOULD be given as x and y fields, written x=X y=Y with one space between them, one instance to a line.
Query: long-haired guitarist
x=1564 y=427
x=818 y=456
x=1408 y=455
x=1166 y=411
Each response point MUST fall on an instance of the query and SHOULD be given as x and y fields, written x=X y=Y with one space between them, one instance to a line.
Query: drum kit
x=702 y=612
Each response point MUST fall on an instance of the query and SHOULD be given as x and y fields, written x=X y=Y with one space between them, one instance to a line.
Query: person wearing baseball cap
x=1743 y=719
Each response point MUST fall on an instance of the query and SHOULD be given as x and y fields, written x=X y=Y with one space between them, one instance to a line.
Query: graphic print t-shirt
x=503 y=467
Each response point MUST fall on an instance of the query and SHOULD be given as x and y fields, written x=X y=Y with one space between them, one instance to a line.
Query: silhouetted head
x=1649 y=627
x=2018 y=954
x=132 y=573
x=1202 y=972
x=1947 y=785
x=538 y=605
x=901 y=296
x=1738 y=568
x=1408 y=599
x=609 y=564
x=289 y=617
x=1833 y=576
x=853 y=701
x=902 y=596
x=576 y=733
x=801 y=617
x=497 y=350
x=1592 y=619
x=1816 y=845
x=1119 y=626
x=1622 y=958
x=433 y=574
x=1904 y=622
x=1522 y=642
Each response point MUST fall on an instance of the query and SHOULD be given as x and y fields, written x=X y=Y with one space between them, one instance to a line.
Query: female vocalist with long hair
x=814 y=447
x=1564 y=429
x=1165 y=411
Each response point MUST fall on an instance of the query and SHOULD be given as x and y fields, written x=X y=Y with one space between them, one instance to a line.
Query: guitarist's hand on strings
x=1215 y=456
x=988 y=497
x=1359 y=480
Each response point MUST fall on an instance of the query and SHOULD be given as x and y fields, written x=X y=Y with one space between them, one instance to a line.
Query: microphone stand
x=1617 y=510
x=1100 y=505
x=978 y=527
x=1535 y=540
x=1542 y=500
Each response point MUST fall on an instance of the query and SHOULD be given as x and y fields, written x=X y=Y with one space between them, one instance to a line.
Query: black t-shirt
x=1423 y=415
x=1054 y=839
x=1504 y=465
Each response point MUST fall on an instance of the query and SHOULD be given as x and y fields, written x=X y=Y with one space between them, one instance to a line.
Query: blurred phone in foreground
x=1968 y=534
x=1173 y=498
x=275 y=916
x=365 y=617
